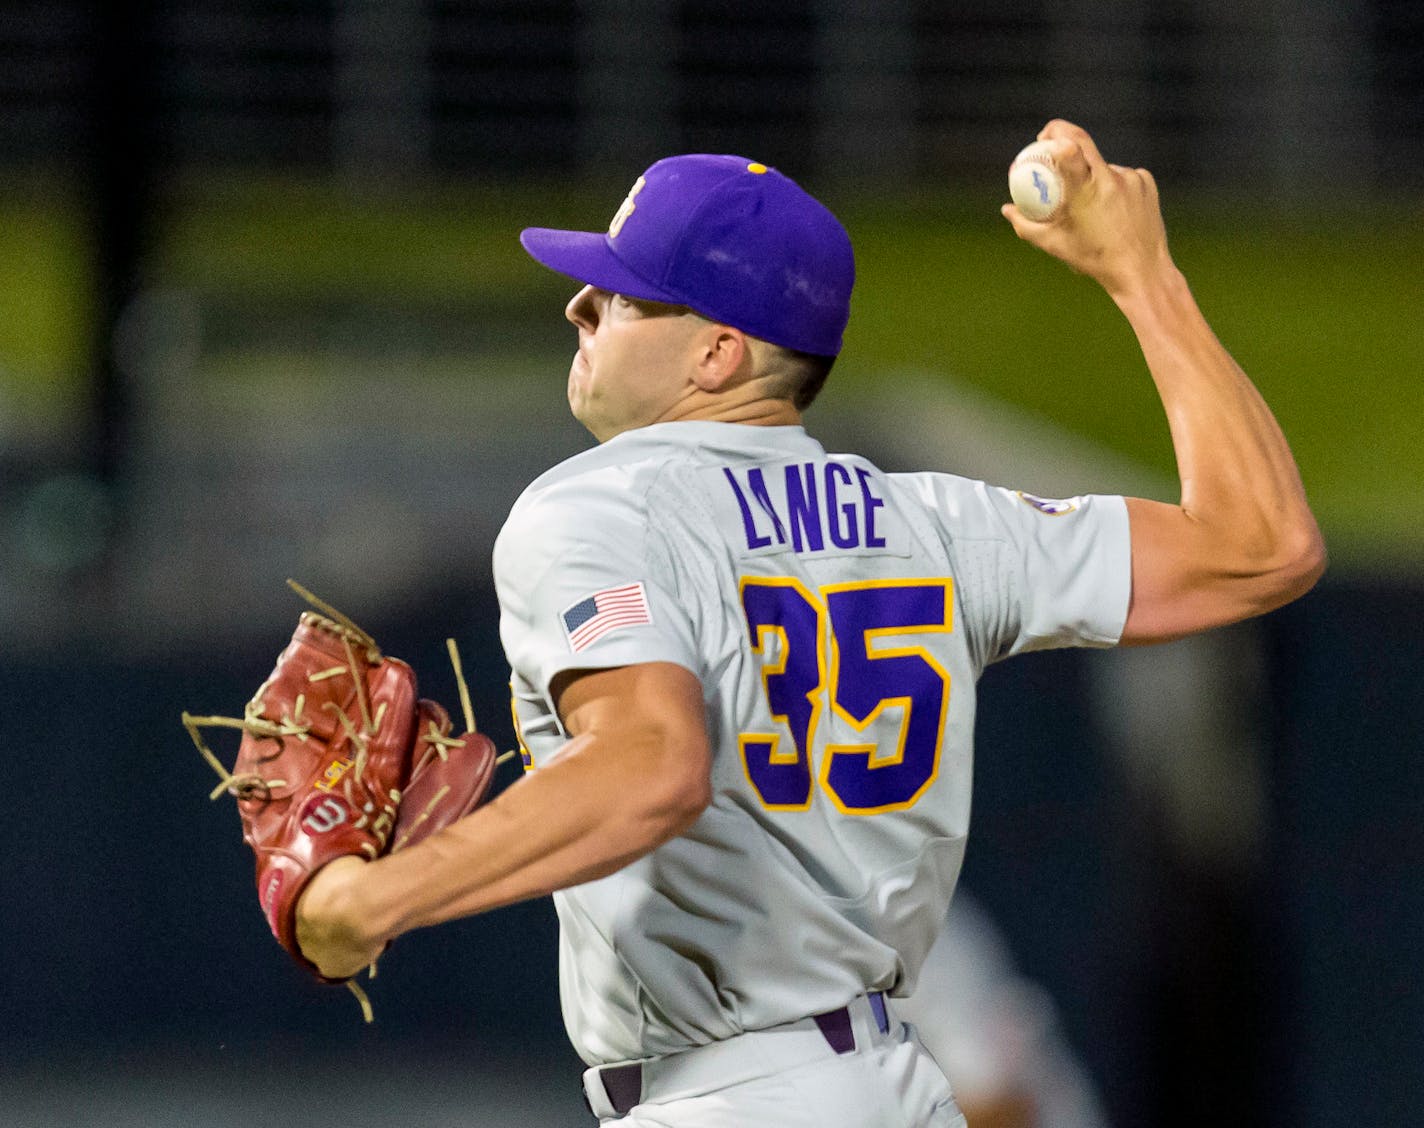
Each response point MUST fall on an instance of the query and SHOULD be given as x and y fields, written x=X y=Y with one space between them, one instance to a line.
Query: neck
x=764 y=413
x=739 y=405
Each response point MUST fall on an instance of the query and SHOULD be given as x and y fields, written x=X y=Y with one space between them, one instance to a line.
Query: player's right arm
x=1241 y=540
x=636 y=772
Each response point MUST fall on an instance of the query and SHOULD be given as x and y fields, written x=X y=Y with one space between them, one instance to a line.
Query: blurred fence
x=1296 y=98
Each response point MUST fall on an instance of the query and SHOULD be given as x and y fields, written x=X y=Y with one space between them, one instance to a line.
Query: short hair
x=799 y=376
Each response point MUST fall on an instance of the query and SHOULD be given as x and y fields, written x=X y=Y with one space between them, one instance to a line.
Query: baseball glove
x=341 y=756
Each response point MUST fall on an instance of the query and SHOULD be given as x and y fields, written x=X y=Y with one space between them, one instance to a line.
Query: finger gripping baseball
x=339 y=756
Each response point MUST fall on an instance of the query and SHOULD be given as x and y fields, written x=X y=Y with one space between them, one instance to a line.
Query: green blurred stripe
x=1327 y=314
x=45 y=299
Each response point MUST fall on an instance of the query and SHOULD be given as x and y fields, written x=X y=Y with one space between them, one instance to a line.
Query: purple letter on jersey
x=872 y=503
x=805 y=511
x=840 y=537
x=756 y=483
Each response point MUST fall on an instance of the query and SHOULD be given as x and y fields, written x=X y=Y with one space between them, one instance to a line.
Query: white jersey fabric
x=837 y=618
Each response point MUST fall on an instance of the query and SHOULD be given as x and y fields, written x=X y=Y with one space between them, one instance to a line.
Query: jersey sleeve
x=582 y=585
x=1035 y=573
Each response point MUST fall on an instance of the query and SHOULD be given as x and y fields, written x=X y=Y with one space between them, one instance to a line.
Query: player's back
x=821 y=604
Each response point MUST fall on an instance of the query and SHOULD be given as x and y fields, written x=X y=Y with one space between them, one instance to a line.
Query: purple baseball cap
x=731 y=238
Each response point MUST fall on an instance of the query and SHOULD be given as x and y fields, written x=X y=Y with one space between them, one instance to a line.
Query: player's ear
x=722 y=355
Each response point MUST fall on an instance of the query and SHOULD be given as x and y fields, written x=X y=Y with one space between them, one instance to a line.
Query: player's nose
x=582 y=309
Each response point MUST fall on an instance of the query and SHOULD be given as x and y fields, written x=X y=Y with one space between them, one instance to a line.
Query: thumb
x=1025 y=228
x=1047 y=235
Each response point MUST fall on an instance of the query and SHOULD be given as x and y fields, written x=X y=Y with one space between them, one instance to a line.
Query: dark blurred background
x=263 y=314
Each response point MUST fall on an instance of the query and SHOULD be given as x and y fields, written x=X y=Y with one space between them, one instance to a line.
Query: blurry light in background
x=160 y=333
x=63 y=523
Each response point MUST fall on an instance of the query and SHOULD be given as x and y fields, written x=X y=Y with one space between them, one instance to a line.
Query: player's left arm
x=636 y=773
x=1242 y=539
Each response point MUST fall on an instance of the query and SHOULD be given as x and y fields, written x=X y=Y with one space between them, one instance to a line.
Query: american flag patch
x=590 y=619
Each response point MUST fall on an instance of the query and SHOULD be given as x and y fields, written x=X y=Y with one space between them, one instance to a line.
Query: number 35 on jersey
x=848 y=651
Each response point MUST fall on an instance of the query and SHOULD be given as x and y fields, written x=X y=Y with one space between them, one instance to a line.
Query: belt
x=613 y=1090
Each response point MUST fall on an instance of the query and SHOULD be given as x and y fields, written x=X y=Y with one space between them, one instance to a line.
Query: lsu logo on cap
x=1053 y=507
x=627 y=207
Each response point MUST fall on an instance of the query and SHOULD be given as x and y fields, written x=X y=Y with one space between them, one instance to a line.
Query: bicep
x=1182 y=580
x=650 y=715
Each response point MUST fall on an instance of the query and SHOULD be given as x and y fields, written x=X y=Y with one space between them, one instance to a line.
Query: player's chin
x=592 y=412
x=579 y=402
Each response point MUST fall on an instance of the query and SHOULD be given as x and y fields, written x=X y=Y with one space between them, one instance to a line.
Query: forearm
x=636 y=773
x=1244 y=525
x=575 y=820
x=1236 y=468
x=581 y=817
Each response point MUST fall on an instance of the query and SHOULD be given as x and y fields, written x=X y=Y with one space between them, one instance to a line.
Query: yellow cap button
x=756 y=167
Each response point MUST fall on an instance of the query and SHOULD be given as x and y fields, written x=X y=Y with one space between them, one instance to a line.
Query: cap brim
x=586 y=256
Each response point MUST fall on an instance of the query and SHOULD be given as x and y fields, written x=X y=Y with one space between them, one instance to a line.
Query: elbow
x=661 y=785
x=1295 y=566
x=648 y=817
x=1219 y=575
x=672 y=809
x=1315 y=561
x=1306 y=561
x=683 y=806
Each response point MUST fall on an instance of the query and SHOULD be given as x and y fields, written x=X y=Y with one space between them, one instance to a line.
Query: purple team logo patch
x=590 y=619
x=1053 y=507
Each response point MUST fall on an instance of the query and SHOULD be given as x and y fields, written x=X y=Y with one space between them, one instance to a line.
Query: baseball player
x=744 y=668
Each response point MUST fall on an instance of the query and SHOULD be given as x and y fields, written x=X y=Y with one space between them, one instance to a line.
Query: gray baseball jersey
x=837 y=618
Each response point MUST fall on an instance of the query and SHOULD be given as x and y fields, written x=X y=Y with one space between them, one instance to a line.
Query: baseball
x=1034 y=182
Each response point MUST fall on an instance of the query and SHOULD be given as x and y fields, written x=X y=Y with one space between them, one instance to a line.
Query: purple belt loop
x=877 y=1005
x=624 y=1086
x=836 y=1029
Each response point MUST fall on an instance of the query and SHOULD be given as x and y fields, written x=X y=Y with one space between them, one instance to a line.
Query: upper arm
x=650 y=716
x=1184 y=580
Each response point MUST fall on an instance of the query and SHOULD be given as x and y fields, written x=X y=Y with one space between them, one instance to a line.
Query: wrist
x=332 y=915
x=1152 y=294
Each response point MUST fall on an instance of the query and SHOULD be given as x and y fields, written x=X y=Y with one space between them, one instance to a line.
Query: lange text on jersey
x=825 y=506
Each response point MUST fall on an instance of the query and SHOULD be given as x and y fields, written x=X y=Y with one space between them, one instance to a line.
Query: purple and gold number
x=867 y=680
x=792 y=681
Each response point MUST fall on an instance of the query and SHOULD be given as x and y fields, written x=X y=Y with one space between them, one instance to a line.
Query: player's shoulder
x=972 y=506
x=596 y=495
x=583 y=499
x=971 y=499
x=588 y=479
